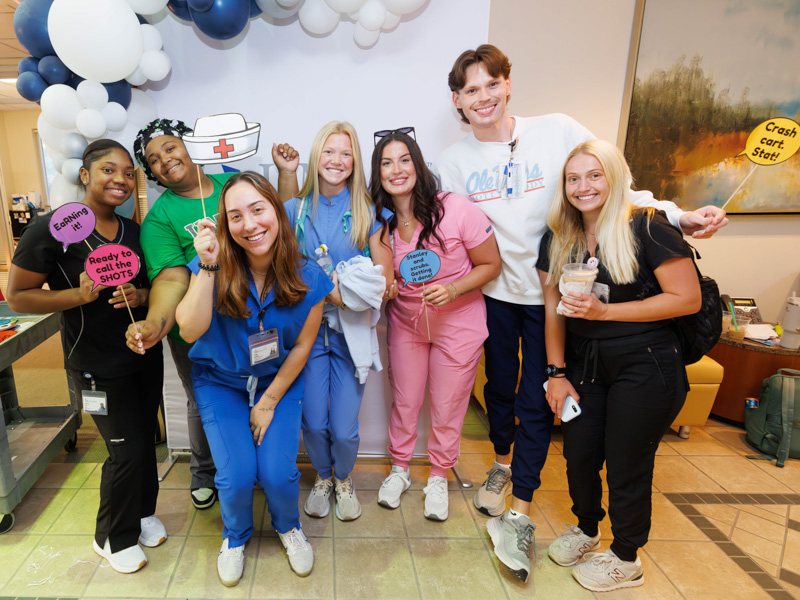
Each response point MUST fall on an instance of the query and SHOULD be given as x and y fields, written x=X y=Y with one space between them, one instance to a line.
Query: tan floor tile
x=676 y=474
x=725 y=528
x=731 y=437
x=195 y=575
x=312 y=526
x=150 y=582
x=792 y=589
x=554 y=473
x=657 y=585
x=556 y=508
x=370 y=475
x=668 y=523
x=760 y=527
x=789 y=475
x=547 y=579
x=434 y=561
x=375 y=520
x=791 y=553
x=14 y=551
x=664 y=449
x=719 y=512
x=477 y=465
x=374 y=569
x=755 y=545
x=737 y=474
x=178 y=478
x=60 y=565
x=176 y=514
x=93 y=480
x=208 y=522
x=779 y=509
x=767 y=566
x=80 y=515
x=65 y=475
x=699 y=443
x=476 y=443
x=459 y=523
x=794 y=512
x=700 y=571
x=275 y=579
x=40 y=508
x=759 y=511
x=419 y=477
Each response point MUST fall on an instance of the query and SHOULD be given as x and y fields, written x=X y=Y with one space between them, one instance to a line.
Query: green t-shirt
x=169 y=229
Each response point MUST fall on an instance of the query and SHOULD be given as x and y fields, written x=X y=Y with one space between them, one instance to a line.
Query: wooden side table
x=746 y=365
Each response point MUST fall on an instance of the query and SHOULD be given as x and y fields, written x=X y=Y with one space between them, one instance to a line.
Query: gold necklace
x=252 y=270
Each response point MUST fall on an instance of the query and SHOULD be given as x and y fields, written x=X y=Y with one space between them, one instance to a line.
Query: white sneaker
x=491 y=496
x=153 y=532
x=230 y=564
x=605 y=571
x=127 y=560
x=512 y=538
x=347 y=506
x=568 y=548
x=299 y=551
x=436 y=498
x=393 y=487
x=318 y=502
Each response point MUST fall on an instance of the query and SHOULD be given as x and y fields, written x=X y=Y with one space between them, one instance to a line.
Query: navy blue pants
x=508 y=323
x=633 y=388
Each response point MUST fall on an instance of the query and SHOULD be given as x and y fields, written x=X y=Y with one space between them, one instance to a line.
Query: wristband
x=214 y=267
x=451 y=291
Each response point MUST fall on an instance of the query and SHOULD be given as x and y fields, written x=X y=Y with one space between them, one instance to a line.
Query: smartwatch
x=554 y=371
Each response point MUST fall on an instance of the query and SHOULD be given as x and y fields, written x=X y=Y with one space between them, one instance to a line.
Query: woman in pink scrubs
x=437 y=322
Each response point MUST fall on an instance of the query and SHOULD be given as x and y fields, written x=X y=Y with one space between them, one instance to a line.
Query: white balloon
x=72 y=145
x=392 y=20
x=402 y=7
x=58 y=160
x=287 y=3
x=92 y=94
x=345 y=6
x=90 y=122
x=99 y=40
x=61 y=106
x=141 y=110
x=272 y=9
x=50 y=134
x=372 y=15
x=62 y=191
x=127 y=136
x=71 y=170
x=365 y=37
x=151 y=38
x=155 y=65
x=147 y=7
x=115 y=116
x=318 y=18
x=137 y=77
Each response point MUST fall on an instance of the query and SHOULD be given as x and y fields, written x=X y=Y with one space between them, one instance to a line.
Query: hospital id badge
x=263 y=346
x=94 y=402
x=514 y=186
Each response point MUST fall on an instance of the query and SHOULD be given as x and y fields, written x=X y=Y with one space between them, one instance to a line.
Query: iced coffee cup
x=738 y=328
x=575 y=278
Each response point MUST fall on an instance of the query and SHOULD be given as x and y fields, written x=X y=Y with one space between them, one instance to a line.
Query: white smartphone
x=570 y=408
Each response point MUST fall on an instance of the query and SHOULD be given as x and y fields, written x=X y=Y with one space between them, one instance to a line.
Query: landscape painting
x=706 y=75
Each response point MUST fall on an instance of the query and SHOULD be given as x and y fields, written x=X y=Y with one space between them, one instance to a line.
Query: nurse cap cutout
x=419 y=266
x=72 y=223
x=111 y=265
x=221 y=139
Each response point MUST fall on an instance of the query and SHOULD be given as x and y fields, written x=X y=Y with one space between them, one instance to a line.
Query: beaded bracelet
x=208 y=267
x=451 y=291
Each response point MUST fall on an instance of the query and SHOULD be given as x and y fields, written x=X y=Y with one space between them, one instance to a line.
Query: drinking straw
x=733 y=316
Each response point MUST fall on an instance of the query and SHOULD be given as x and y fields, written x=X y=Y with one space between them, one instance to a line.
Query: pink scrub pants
x=448 y=362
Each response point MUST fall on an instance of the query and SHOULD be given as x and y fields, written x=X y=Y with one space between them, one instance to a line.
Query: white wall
x=571 y=56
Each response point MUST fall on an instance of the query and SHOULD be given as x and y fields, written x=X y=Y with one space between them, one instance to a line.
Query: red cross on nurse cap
x=222 y=139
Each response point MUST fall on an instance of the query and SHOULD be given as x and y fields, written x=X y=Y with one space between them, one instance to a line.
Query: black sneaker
x=203 y=498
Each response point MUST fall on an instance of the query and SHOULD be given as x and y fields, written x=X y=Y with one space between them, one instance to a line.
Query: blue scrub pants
x=330 y=408
x=224 y=406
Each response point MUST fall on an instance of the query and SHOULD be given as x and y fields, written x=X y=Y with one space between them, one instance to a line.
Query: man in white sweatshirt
x=509 y=167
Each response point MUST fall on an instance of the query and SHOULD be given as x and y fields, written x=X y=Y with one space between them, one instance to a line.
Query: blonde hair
x=363 y=213
x=613 y=232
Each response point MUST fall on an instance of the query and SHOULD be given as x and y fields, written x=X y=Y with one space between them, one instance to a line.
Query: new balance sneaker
x=152 y=533
x=127 y=560
x=491 y=497
x=436 y=499
x=230 y=564
x=605 y=571
x=512 y=538
x=318 y=502
x=568 y=548
x=299 y=551
x=347 y=506
x=204 y=497
x=393 y=487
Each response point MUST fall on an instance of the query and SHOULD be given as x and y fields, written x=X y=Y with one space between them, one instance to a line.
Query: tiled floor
x=723 y=527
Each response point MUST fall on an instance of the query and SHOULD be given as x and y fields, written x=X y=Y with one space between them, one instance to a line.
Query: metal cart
x=31 y=436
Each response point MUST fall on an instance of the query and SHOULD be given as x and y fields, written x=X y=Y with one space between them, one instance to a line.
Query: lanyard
x=509 y=168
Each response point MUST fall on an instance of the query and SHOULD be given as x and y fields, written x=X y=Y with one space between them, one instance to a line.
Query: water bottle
x=323 y=260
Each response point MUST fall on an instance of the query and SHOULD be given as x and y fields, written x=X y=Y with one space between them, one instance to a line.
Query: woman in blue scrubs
x=254 y=307
x=334 y=209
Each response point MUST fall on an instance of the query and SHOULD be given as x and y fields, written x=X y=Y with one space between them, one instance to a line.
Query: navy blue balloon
x=200 y=5
x=255 y=9
x=75 y=81
x=142 y=20
x=30 y=25
x=224 y=20
x=53 y=70
x=31 y=86
x=180 y=9
x=119 y=92
x=28 y=64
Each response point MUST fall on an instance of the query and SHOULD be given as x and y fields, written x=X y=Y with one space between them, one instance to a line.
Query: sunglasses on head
x=384 y=132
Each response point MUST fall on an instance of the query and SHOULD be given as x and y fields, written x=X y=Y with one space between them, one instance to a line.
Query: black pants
x=129 y=481
x=631 y=389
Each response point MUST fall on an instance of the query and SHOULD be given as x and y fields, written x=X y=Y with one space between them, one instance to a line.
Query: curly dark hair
x=152 y=130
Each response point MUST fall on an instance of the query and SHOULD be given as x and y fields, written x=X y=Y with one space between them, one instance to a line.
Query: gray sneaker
x=568 y=548
x=299 y=551
x=347 y=506
x=491 y=497
x=512 y=539
x=318 y=501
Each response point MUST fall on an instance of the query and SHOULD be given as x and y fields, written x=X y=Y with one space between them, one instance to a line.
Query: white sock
x=502 y=466
x=512 y=514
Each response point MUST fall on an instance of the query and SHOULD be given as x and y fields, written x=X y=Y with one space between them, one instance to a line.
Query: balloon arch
x=88 y=56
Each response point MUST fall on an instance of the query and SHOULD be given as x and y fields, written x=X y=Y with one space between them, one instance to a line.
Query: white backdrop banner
x=293 y=83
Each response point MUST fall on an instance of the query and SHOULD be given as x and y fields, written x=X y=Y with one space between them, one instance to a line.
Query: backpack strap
x=787 y=416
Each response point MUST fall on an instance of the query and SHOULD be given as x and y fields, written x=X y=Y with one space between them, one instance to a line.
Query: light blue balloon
x=419 y=266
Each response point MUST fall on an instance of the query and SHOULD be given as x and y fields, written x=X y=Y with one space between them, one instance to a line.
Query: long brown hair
x=285 y=259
